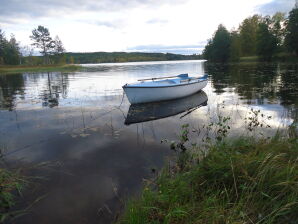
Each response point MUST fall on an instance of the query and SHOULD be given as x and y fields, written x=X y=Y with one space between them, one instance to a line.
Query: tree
x=291 y=39
x=266 y=42
x=248 y=35
x=27 y=55
x=9 y=50
x=218 y=48
x=2 y=44
x=207 y=52
x=277 y=28
x=14 y=51
x=59 y=48
x=235 y=49
x=59 y=51
x=43 y=41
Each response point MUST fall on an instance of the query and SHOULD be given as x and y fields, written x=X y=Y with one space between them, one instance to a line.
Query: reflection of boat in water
x=152 y=111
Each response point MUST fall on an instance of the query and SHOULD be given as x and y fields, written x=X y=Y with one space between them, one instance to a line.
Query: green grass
x=240 y=181
x=38 y=68
x=11 y=184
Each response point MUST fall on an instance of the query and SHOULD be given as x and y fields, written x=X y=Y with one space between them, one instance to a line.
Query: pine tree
x=43 y=41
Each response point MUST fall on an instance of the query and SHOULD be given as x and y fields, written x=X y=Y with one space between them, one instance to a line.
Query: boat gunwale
x=175 y=85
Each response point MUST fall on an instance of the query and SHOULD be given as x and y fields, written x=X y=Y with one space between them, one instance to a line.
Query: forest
x=52 y=52
x=106 y=57
x=258 y=37
x=262 y=37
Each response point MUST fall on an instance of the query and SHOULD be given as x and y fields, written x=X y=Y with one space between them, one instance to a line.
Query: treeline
x=262 y=36
x=53 y=52
x=9 y=50
x=106 y=57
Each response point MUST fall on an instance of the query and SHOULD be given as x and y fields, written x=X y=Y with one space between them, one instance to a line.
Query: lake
x=87 y=150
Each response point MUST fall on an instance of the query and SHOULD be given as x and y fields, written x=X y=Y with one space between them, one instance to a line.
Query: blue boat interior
x=180 y=79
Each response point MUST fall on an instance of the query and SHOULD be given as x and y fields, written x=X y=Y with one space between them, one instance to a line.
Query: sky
x=174 y=26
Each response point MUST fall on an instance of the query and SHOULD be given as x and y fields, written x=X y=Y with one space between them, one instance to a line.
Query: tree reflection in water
x=12 y=88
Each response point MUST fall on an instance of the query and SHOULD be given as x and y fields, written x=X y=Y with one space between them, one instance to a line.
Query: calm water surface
x=92 y=150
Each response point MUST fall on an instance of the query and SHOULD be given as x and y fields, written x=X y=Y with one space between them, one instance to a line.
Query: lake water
x=91 y=151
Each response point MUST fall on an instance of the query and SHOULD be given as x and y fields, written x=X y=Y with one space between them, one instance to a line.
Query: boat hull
x=152 y=94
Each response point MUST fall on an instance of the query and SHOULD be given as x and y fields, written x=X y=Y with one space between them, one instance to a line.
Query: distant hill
x=106 y=57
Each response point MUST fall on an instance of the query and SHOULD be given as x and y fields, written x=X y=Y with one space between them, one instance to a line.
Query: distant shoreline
x=10 y=69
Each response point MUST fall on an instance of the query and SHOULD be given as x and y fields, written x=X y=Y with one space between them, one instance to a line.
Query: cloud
x=112 y=23
x=275 y=6
x=156 y=20
x=177 y=49
x=50 y=8
x=117 y=25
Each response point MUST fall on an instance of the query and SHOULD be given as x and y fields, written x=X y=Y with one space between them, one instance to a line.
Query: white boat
x=164 y=88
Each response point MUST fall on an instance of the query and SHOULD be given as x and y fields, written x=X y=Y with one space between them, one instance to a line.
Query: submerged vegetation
x=225 y=180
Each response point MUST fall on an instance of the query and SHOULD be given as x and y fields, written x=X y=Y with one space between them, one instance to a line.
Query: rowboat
x=143 y=112
x=163 y=88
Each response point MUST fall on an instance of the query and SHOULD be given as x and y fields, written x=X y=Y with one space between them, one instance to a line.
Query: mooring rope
x=123 y=93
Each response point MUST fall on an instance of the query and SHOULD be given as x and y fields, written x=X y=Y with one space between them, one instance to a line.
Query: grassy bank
x=38 y=68
x=243 y=181
x=11 y=184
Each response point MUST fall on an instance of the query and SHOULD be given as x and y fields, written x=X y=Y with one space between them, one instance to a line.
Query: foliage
x=248 y=35
x=266 y=44
x=262 y=36
x=59 y=52
x=291 y=38
x=59 y=48
x=240 y=181
x=256 y=119
x=218 y=48
x=277 y=27
x=41 y=39
x=235 y=49
x=107 y=57
x=9 y=50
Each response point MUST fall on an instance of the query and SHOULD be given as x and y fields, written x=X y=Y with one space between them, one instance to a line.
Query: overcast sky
x=177 y=26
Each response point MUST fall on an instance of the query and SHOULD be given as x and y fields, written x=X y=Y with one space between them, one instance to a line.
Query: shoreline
x=11 y=69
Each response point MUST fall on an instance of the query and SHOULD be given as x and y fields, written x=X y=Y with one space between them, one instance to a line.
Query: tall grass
x=240 y=181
